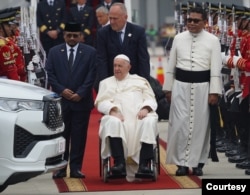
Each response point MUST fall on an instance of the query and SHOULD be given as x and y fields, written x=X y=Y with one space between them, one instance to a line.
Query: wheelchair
x=154 y=165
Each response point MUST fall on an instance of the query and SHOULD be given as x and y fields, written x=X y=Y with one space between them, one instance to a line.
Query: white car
x=31 y=127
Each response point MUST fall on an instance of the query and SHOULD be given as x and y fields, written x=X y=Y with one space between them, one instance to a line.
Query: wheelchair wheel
x=105 y=172
x=155 y=173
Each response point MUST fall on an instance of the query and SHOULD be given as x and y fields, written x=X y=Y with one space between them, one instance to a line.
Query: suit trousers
x=75 y=133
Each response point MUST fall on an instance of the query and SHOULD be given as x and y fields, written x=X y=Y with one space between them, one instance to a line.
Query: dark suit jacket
x=79 y=78
x=102 y=4
x=86 y=18
x=134 y=46
x=52 y=18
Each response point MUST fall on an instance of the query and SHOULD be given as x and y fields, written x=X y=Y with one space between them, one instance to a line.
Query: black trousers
x=117 y=151
x=75 y=133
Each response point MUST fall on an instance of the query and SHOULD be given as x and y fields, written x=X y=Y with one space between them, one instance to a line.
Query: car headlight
x=17 y=105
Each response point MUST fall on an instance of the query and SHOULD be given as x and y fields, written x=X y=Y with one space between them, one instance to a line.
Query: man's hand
x=75 y=97
x=144 y=112
x=168 y=96
x=53 y=34
x=67 y=94
x=116 y=113
x=213 y=99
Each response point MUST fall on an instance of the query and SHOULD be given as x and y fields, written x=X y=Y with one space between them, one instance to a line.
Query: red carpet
x=93 y=181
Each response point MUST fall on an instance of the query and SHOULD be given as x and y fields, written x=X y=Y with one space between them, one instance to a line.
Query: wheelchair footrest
x=116 y=176
x=145 y=175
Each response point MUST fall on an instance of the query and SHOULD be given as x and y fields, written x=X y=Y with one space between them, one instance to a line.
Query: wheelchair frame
x=105 y=166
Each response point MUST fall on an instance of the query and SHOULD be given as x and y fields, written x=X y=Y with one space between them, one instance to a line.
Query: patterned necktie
x=71 y=57
x=120 y=36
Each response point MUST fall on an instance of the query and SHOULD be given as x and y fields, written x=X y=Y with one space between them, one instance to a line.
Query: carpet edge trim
x=183 y=181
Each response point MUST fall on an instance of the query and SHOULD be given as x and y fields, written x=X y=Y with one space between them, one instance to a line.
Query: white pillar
x=129 y=9
x=246 y=3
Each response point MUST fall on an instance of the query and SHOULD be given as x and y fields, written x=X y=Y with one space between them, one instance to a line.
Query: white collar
x=123 y=29
x=79 y=6
x=75 y=47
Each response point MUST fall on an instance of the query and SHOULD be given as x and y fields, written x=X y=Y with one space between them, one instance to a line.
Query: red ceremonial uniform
x=7 y=61
x=18 y=55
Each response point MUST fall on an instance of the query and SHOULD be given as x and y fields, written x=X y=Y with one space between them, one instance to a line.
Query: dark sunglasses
x=195 y=20
x=72 y=35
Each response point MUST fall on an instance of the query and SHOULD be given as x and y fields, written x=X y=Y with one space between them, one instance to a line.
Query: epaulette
x=2 y=42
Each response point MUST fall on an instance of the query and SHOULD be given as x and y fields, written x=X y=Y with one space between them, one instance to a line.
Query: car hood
x=21 y=90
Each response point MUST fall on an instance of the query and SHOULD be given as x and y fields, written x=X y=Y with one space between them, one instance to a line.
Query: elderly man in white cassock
x=128 y=128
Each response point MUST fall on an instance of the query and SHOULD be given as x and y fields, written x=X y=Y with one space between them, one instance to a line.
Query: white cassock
x=129 y=96
x=189 y=127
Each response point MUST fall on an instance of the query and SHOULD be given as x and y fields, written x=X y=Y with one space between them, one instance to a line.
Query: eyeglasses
x=72 y=35
x=195 y=20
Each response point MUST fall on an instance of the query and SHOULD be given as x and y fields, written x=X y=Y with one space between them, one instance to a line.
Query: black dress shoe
x=243 y=165
x=182 y=171
x=238 y=158
x=220 y=143
x=247 y=171
x=144 y=169
x=232 y=153
x=59 y=174
x=118 y=169
x=197 y=171
x=226 y=147
x=76 y=174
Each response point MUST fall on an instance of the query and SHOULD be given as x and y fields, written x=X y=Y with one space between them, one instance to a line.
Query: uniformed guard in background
x=238 y=60
x=83 y=14
x=51 y=19
x=11 y=61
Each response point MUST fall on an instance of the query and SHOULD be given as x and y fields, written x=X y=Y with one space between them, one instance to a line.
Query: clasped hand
x=141 y=114
x=70 y=95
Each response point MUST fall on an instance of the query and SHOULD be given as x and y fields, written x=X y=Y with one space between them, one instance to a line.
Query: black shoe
x=59 y=174
x=243 y=165
x=197 y=171
x=220 y=143
x=144 y=169
x=226 y=147
x=222 y=148
x=182 y=171
x=247 y=171
x=118 y=169
x=237 y=158
x=230 y=153
x=76 y=174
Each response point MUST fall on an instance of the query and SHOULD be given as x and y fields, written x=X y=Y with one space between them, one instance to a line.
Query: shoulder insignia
x=2 y=42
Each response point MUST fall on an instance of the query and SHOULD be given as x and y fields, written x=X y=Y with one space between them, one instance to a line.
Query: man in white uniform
x=128 y=129
x=193 y=81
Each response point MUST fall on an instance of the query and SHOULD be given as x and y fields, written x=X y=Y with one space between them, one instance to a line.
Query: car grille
x=52 y=114
x=54 y=160
x=24 y=141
